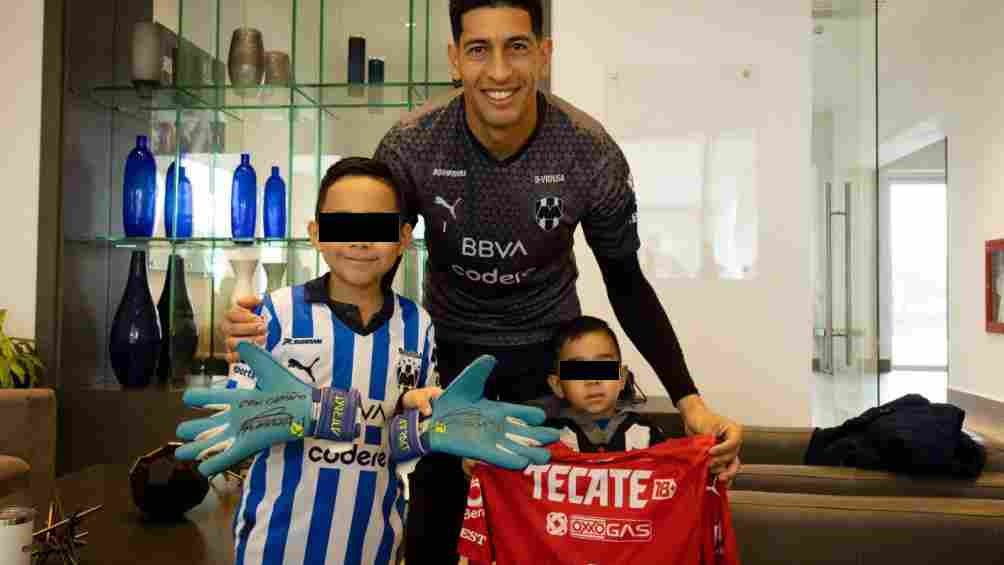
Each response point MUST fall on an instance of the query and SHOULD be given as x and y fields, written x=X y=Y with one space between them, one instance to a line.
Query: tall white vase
x=244 y=271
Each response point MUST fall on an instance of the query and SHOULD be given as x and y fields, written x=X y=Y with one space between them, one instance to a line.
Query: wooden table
x=118 y=533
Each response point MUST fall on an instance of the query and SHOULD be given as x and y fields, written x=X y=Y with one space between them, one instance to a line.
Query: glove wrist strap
x=335 y=414
x=407 y=439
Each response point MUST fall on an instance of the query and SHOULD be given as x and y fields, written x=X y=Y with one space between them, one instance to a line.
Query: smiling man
x=503 y=175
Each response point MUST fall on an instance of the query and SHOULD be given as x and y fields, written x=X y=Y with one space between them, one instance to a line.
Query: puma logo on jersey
x=617 y=488
x=452 y=208
x=309 y=369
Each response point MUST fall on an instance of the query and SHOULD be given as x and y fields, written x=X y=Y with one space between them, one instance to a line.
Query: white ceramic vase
x=244 y=271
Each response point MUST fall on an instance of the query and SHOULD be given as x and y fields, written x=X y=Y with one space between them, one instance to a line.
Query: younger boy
x=588 y=381
x=311 y=501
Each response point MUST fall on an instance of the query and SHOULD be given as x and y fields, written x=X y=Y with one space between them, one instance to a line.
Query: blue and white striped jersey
x=303 y=503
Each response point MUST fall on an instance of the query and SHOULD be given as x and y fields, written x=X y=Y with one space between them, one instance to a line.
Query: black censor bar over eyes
x=347 y=227
x=589 y=370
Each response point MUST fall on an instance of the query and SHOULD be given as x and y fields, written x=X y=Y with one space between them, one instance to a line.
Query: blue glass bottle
x=243 y=200
x=178 y=198
x=275 y=205
x=139 y=191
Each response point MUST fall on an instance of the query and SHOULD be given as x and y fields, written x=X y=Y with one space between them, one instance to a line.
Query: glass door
x=844 y=227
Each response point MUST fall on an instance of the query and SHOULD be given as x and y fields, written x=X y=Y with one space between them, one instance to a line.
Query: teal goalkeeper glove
x=465 y=424
x=280 y=409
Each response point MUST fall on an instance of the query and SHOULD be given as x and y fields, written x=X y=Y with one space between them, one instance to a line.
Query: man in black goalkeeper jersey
x=502 y=175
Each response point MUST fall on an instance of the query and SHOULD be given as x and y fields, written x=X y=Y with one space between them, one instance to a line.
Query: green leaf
x=17 y=369
x=3 y=318
x=7 y=349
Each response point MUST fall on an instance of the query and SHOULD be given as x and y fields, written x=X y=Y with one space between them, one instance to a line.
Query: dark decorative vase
x=134 y=343
x=277 y=68
x=357 y=65
x=357 y=59
x=375 y=71
x=246 y=60
x=275 y=205
x=244 y=200
x=178 y=199
x=181 y=335
x=164 y=488
x=139 y=198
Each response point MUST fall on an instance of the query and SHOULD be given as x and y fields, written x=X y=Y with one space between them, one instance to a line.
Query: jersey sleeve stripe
x=274 y=328
x=345 y=345
x=256 y=492
x=365 y=493
x=320 y=521
x=409 y=311
x=423 y=373
x=279 y=521
x=303 y=319
x=379 y=362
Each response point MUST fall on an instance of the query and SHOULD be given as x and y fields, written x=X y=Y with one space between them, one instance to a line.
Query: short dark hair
x=357 y=167
x=578 y=327
x=460 y=7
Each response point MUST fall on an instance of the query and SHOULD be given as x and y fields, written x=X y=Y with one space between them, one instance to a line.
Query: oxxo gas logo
x=597 y=528
x=557 y=524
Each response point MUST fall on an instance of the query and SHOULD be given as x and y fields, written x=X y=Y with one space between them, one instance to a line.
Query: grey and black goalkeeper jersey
x=501 y=269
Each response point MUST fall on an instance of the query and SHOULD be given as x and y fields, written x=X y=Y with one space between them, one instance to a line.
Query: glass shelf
x=386 y=95
x=190 y=242
x=133 y=100
x=203 y=123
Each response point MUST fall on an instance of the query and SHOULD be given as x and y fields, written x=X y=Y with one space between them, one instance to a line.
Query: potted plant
x=19 y=362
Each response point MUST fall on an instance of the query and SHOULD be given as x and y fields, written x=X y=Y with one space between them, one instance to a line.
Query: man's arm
x=646 y=324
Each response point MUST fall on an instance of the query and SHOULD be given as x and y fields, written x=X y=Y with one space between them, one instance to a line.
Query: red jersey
x=645 y=506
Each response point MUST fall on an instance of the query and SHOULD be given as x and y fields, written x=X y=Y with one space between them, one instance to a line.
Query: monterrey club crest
x=548 y=212
x=408 y=365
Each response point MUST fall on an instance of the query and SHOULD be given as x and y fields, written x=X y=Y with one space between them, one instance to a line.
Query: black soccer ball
x=164 y=488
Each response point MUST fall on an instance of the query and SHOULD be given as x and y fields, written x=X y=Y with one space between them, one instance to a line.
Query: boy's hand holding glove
x=464 y=424
x=281 y=408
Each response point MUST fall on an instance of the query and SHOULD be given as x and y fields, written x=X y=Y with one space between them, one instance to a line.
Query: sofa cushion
x=837 y=530
x=13 y=474
x=812 y=479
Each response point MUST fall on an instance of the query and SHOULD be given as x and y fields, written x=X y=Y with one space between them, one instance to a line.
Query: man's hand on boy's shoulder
x=241 y=324
x=421 y=399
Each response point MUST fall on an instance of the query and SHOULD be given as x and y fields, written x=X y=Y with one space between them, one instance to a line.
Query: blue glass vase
x=178 y=198
x=139 y=191
x=275 y=205
x=134 y=343
x=243 y=200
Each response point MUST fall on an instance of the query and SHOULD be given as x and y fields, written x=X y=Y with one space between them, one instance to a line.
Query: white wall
x=952 y=78
x=20 y=120
x=747 y=342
